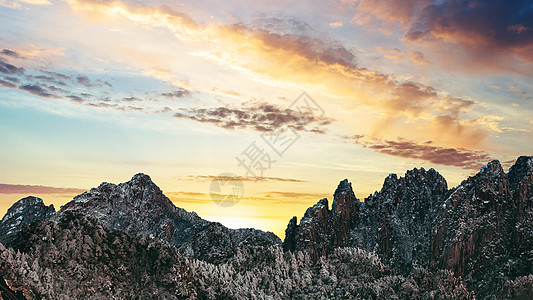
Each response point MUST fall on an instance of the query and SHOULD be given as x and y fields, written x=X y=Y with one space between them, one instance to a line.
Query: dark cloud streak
x=10 y=69
x=261 y=117
x=10 y=53
x=176 y=94
x=37 y=189
x=463 y=158
x=7 y=84
x=36 y=90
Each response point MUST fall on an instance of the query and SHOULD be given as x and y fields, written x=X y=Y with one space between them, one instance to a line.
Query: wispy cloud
x=241 y=178
x=374 y=12
x=397 y=55
x=7 y=84
x=518 y=92
x=75 y=87
x=37 y=189
x=335 y=24
x=293 y=195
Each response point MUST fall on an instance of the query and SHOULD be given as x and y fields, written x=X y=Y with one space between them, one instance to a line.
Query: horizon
x=288 y=97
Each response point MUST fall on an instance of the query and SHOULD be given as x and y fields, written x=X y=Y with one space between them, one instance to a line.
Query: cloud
x=84 y=80
x=293 y=36
x=17 y=4
x=398 y=55
x=261 y=117
x=164 y=110
x=458 y=157
x=50 y=84
x=7 y=84
x=483 y=30
x=180 y=93
x=418 y=58
x=36 y=90
x=231 y=93
x=105 y=105
x=518 y=92
x=293 y=195
x=386 y=11
x=131 y=99
x=10 y=53
x=10 y=69
x=241 y=178
x=56 y=75
x=12 y=79
x=335 y=24
x=75 y=98
x=37 y=189
x=47 y=79
x=288 y=53
x=493 y=25
x=37 y=2
x=519 y=28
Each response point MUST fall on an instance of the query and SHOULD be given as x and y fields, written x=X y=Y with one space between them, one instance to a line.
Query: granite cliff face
x=394 y=222
x=481 y=230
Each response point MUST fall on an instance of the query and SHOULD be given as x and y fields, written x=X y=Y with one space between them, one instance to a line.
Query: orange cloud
x=276 y=55
x=386 y=11
x=398 y=55
x=335 y=24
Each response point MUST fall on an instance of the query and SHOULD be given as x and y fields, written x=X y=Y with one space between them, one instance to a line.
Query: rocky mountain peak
x=493 y=168
x=522 y=170
x=344 y=200
x=25 y=211
x=344 y=186
x=142 y=178
x=139 y=208
x=390 y=182
x=413 y=185
x=141 y=181
x=489 y=185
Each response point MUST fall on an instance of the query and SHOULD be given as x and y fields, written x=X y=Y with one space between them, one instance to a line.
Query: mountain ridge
x=139 y=207
x=477 y=238
x=482 y=226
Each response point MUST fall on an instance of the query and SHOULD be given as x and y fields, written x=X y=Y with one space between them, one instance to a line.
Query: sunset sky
x=94 y=91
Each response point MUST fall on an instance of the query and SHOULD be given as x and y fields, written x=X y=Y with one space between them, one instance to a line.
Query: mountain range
x=413 y=239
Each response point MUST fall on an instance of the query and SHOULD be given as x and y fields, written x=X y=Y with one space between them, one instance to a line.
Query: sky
x=286 y=98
